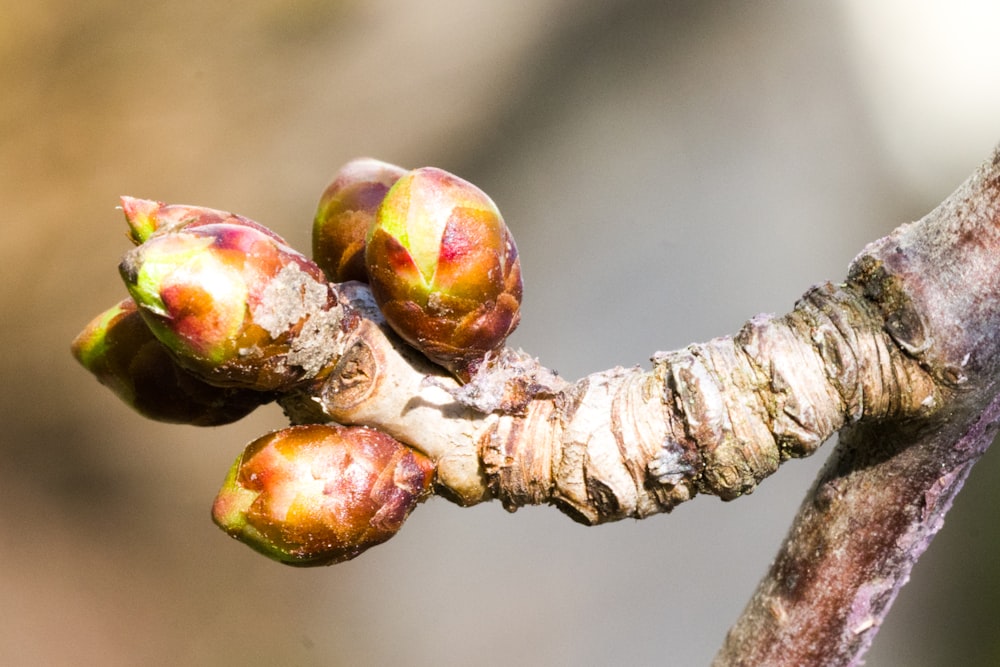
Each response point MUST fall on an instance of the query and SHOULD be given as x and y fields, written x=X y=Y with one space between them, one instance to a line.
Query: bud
x=346 y=211
x=234 y=305
x=444 y=269
x=322 y=493
x=146 y=217
x=122 y=352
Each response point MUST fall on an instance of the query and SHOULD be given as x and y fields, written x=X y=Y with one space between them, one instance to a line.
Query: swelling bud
x=234 y=305
x=444 y=269
x=346 y=211
x=322 y=493
x=121 y=351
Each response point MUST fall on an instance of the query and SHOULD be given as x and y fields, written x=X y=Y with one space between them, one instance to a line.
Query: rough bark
x=884 y=493
x=900 y=359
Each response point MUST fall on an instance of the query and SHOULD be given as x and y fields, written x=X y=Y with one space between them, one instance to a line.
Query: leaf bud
x=346 y=211
x=322 y=493
x=234 y=305
x=444 y=269
x=122 y=352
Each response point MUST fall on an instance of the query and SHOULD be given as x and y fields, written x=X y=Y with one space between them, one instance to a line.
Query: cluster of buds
x=155 y=350
x=440 y=260
x=223 y=316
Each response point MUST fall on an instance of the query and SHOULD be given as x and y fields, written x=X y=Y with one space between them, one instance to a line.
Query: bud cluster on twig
x=223 y=316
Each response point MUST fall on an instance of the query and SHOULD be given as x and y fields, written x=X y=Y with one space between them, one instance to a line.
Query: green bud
x=346 y=211
x=234 y=305
x=122 y=352
x=444 y=269
x=322 y=493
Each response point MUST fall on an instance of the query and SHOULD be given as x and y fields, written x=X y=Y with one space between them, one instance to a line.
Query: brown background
x=669 y=169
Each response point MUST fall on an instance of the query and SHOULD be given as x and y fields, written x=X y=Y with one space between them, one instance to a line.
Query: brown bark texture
x=885 y=490
x=900 y=359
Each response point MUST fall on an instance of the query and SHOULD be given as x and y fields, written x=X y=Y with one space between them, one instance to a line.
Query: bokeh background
x=669 y=169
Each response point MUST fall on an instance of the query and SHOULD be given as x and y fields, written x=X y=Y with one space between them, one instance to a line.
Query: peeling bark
x=713 y=418
x=884 y=492
x=900 y=359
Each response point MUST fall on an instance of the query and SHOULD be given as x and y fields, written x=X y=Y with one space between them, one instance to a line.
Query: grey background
x=669 y=169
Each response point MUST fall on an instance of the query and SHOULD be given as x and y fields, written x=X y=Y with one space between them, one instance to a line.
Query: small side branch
x=712 y=418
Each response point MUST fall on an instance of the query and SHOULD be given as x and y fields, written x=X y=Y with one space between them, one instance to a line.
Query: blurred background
x=669 y=169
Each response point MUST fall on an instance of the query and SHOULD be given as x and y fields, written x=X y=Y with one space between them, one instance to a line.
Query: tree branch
x=884 y=493
x=713 y=418
x=902 y=355
x=902 y=359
